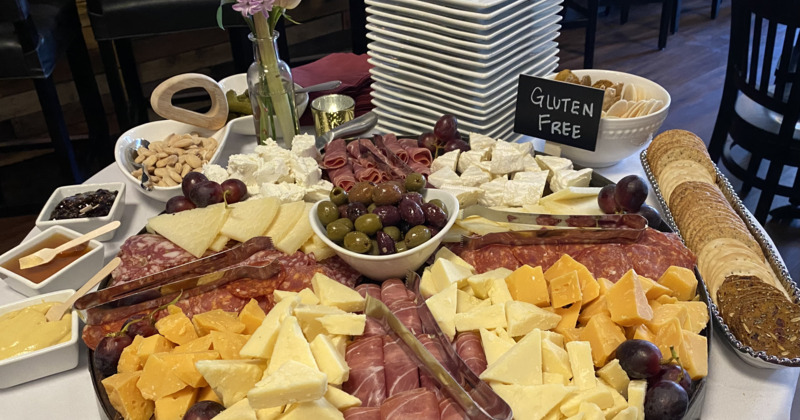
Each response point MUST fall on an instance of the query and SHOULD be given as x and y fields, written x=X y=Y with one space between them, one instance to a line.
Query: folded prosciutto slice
x=418 y=404
x=362 y=413
x=367 y=379
x=400 y=370
x=335 y=154
x=468 y=346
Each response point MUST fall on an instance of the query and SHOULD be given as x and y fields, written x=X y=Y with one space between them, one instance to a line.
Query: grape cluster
x=668 y=384
x=199 y=191
x=628 y=196
x=444 y=137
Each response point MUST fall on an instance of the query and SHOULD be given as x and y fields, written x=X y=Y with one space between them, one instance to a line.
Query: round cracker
x=681 y=153
x=681 y=171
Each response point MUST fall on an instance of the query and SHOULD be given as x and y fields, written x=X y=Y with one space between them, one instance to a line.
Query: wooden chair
x=34 y=35
x=760 y=107
x=669 y=18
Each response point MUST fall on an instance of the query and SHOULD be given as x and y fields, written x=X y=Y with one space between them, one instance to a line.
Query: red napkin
x=351 y=69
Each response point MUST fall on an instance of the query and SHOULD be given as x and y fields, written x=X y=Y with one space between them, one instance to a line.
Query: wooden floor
x=691 y=68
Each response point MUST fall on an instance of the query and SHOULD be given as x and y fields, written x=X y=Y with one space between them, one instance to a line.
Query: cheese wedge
x=340 y=399
x=125 y=397
x=332 y=293
x=443 y=307
x=262 y=342
x=298 y=235
x=520 y=365
x=287 y=217
x=531 y=402
x=330 y=361
x=230 y=379
x=292 y=382
x=320 y=409
x=250 y=218
x=290 y=345
x=494 y=346
x=193 y=230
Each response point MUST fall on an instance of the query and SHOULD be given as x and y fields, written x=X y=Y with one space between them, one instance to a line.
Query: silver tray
x=758 y=359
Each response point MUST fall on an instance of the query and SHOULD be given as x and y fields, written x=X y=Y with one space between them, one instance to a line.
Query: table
x=734 y=390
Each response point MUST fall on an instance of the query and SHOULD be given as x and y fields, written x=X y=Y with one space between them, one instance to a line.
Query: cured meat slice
x=400 y=370
x=420 y=167
x=368 y=173
x=354 y=149
x=448 y=410
x=469 y=348
x=417 y=404
x=144 y=255
x=343 y=176
x=491 y=257
x=367 y=379
x=383 y=162
x=335 y=154
x=362 y=413
x=390 y=140
x=406 y=311
x=372 y=328
x=400 y=166
x=392 y=290
x=335 y=268
x=608 y=260
x=416 y=153
x=435 y=348
x=370 y=289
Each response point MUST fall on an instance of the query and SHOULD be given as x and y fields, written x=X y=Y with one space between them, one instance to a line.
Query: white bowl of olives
x=388 y=237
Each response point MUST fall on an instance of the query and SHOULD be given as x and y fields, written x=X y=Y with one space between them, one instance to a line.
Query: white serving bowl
x=157 y=131
x=44 y=362
x=84 y=224
x=73 y=276
x=244 y=125
x=619 y=138
x=382 y=267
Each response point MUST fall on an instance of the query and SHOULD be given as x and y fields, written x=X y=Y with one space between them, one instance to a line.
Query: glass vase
x=271 y=88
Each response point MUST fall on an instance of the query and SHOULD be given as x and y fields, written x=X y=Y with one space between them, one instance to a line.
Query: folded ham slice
x=390 y=140
x=418 y=404
x=335 y=154
x=367 y=379
x=416 y=153
x=343 y=177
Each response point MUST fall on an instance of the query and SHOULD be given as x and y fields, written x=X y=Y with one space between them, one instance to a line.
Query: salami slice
x=609 y=260
x=367 y=380
x=417 y=404
x=367 y=173
x=400 y=370
x=491 y=257
x=335 y=154
x=400 y=167
x=343 y=176
x=144 y=255
x=469 y=348
x=354 y=149
x=335 y=268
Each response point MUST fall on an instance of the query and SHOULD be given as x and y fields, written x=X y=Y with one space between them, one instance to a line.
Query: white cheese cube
x=444 y=176
x=475 y=177
x=506 y=158
x=636 y=393
x=493 y=192
x=580 y=359
x=305 y=171
x=447 y=160
x=566 y=178
x=471 y=158
x=285 y=192
x=488 y=317
x=524 y=317
x=466 y=196
x=443 y=308
x=499 y=293
x=304 y=145
x=271 y=150
x=341 y=399
x=598 y=396
x=523 y=147
x=615 y=376
x=534 y=402
x=553 y=163
x=555 y=359
x=520 y=365
x=320 y=409
x=332 y=293
x=445 y=272
x=520 y=193
x=344 y=324
x=292 y=382
x=481 y=142
x=494 y=346
x=482 y=283
x=529 y=164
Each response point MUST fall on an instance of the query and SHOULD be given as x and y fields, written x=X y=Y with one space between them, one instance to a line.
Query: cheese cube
x=498 y=292
x=506 y=158
x=531 y=402
x=494 y=346
x=445 y=272
x=697 y=316
x=694 y=354
x=565 y=290
x=309 y=318
x=681 y=281
x=620 y=402
x=627 y=301
x=443 y=306
x=555 y=360
x=129 y=358
x=157 y=378
x=580 y=359
x=319 y=409
x=569 y=317
x=217 y=320
x=427 y=287
x=604 y=285
x=565 y=178
x=251 y=316
x=153 y=344
x=527 y=284
x=443 y=176
x=523 y=317
x=554 y=337
x=615 y=376
x=591 y=411
x=448 y=255
x=590 y=288
x=493 y=192
x=665 y=313
x=340 y=342
x=330 y=361
x=604 y=336
x=182 y=365
x=598 y=396
x=332 y=293
x=228 y=344
x=521 y=193
x=595 y=307
x=174 y=406
x=344 y=324
x=307 y=296
x=482 y=283
x=230 y=379
x=636 y=393
x=466 y=302
x=652 y=289
x=641 y=332
x=292 y=382
x=471 y=158
x=481 y=142
x=466 y=196
x=552 y=164
x=669 y=335
x=554 y=378
x=447 y=160
x=489 y=317
x=475 y=177
x=520 y=365
x=125 y=397
x=340 y=399
x=629 y=413
x=199 y=344
x=177 y=328
x=290 y=345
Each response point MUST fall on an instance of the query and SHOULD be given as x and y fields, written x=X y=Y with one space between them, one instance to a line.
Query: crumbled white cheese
x=215 y=173
x=305 y=170
x=303 y=145
x=318 y=191
x=285 y=192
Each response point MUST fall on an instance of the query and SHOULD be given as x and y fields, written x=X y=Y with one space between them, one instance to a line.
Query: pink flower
x=252 y=7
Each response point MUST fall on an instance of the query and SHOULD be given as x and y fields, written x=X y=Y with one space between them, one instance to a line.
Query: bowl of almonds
x=172 y=149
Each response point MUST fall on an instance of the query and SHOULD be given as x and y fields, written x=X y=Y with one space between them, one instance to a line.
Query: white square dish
x=84 y=224
x=73 y=276
x=44 y=362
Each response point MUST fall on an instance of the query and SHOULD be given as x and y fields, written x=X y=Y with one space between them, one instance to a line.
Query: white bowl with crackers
x=175 y=149
x=632 y=117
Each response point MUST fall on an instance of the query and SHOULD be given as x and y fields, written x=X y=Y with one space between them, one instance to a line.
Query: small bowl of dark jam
x=83 y=208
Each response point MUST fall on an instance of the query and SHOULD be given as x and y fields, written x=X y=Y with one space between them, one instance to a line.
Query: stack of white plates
x=460 y=57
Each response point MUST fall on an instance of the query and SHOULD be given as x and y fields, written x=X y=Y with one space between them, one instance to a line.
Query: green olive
x=439 y=203
x=368 y=223
x=357 y=242
x=415 y=182
x=400 y=246
x=374 y=248
x=417 y=236
x=338 y=229
x=347 y=222
x=361 y=193
x=327 y=212
x=393 y=232
x=338 y=196
x=371 y=207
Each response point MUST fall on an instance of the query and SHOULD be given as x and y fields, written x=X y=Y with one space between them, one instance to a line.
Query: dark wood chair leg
x=715 y=8
x=54 y=118
x=751 y=174
x=133 y=85
x=666 y=10
x=109 y=57
x=676 y=15
x=624 y=11
x=358 y=22
x=768 y=193
x=724 y=119
x=591 y=31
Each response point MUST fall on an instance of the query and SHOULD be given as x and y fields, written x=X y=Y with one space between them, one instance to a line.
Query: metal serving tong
x=556 y=228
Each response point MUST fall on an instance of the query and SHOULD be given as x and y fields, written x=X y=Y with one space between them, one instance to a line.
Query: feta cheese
x=519 y=193
x=470 y=158
x=272 y=172
x=566 y=178
x=493 y=192
x=215 y=172
x=447 y=160
x=474 y=177
x=466 y=196
x=481 y=142
x=246 y=168
x=284 y=191
x=506 y=158
x=305 y=170
x=271 y=151
x=304 y=145
x=318 y=191
x=552 y=164
x=444 y=176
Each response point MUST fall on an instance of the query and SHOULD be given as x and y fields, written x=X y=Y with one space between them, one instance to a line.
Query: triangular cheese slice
x=521 y=365
x=262 y=342
x=193 y=230
x=531 y=402
x=230 y=379
x=494 y=346
x=298 y=235
x=287 y=216
x=250 y=218
x=332 y=293
x=320 y=409
x=292 y=382
x=290 y=345
x=443 y=308
x=523 y=317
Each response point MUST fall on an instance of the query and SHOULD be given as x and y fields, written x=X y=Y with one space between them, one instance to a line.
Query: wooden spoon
x=57 y=311
x=45 y=255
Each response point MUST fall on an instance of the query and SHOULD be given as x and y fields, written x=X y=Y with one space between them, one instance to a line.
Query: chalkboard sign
x=560 y=112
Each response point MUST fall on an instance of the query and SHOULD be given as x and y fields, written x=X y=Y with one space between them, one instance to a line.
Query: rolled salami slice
x=390 y=140
x=416 y=153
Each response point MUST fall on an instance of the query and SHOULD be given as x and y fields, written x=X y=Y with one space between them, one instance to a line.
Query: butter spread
x=26 y=330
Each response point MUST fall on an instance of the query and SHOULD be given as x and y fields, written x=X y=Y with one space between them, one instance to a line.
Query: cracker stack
x=726 y=251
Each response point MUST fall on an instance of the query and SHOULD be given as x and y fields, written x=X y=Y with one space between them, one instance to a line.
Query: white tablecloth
x=734 y=389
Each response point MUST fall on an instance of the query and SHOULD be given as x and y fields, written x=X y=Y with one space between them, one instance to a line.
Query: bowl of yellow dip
x=32 y=348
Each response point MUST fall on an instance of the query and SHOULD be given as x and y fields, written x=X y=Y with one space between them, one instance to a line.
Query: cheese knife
x=359 y=125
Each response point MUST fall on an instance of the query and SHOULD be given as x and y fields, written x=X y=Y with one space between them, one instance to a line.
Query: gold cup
x=330 y=111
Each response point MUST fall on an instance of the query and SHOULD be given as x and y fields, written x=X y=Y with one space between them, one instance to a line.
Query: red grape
x=665 y=400
x=203 y=410
x=429 y=141
x=606 y=200
x=631 y=192
x=179 y=203
x=190 y=180
x=640 y=359
x=107 y=353
x=651 y=214
x=206 y=193
x=446 y=127
x=456 y=144
x=141 y=325
x=233 y=190
x=674 y=373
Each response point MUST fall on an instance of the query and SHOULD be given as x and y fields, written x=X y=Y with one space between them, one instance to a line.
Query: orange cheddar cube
x=627 y=302
x=154 y=344
x=604 y=285
x=177 y=328
x=157 y=379
x=129 y=358
x=597 y=306
x=640 y=332
x=652 y=289
x=694 y=354
x=174 y=406
x=665 y=313
x=228 y=344
x=217 y=320
x=571 y=334
x=125 y=397
x=604 y=335
x=681 y=281
x=569 y=317
x=251 y=316
x=527 y=284
x=207 y=394
x=697 y=318
x=199 y=344
x=666 y=300
x=182 y=366
x=670 y=335
x=565 y=289
x=590 y=289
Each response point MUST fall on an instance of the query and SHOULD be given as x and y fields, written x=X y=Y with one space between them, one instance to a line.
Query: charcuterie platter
x=300 y=342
